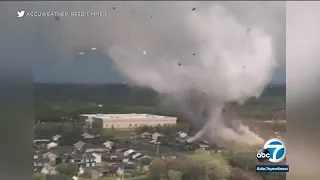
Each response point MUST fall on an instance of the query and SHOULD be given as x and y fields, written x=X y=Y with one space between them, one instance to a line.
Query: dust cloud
x=201 y=54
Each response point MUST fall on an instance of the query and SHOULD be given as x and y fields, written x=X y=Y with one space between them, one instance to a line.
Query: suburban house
x=108 y=144
x=41 y=143
x=98 y=172
x=129 y=151
x=146 y=135
x=88 y=148
x=113 y=157
x=136 y=156
x=79 y=146
x=52 y=145
x=54 y=152
x=127 y=168
x=40 y=161
x=86 y=135
x=64 y=159
x=97 y=158
x=156 y=135
x=126 y=159
x=56 y=137
x=203 y=146
x=84 y=160
x=88 y=160
x=145 y=160
x=182 y=135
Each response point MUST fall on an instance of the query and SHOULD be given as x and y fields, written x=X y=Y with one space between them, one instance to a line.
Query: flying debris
x=94 y=48
x=81 y=53
x=114 y=8
x=193 y=9
x=194 y=54
x=144 y=52
x=248 y=30
x=179 y=64
x=244 y=67
x=57 y=18
x=60 y=37
x=150 y=16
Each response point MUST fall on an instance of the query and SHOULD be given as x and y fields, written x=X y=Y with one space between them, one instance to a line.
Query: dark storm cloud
x=50 y=47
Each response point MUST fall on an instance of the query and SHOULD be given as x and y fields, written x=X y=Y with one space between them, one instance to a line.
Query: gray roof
x=60 y=150
x=91 y=146
x=40 y=159
x=79 y=145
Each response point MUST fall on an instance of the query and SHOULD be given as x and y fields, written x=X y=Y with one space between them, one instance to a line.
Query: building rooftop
x=116 y=116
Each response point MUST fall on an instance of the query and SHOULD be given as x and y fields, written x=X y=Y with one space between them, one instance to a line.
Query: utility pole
x=158 y=148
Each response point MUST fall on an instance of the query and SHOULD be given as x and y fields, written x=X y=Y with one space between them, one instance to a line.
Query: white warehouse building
x=128 y=121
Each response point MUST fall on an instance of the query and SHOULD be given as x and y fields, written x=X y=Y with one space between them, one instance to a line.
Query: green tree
x=239 y=174
x=69 y=169
x=203 y=166
x=242 y=156
x=174 y=175
x=39 y=176
x=217 y=168
x=157 y=169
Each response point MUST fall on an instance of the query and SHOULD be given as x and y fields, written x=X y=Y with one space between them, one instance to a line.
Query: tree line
x=237 y=162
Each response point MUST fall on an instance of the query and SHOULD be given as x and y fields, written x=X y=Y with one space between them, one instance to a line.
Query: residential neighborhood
x=95 y=156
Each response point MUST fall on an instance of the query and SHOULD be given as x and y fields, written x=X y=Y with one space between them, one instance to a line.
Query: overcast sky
x=50 y=48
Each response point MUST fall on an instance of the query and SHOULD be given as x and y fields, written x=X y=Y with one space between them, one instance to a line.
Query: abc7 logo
x=263 y=155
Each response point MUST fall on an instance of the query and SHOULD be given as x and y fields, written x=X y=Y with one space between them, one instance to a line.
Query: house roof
x=146 y=133
x=108 y=142
x=145 y=161
x=129 y=151
x=52 y=143
x=79 y=145
x=114 y=167
x=40 y=159
x=60 y=150
x=136 y=155
x=157 y=134
x=139 y=156
x=79 y=156
x=91 y=146
x=132 y=153
x=87 y=135
x=183 y=135
x=144 y=157
x=57 y=136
